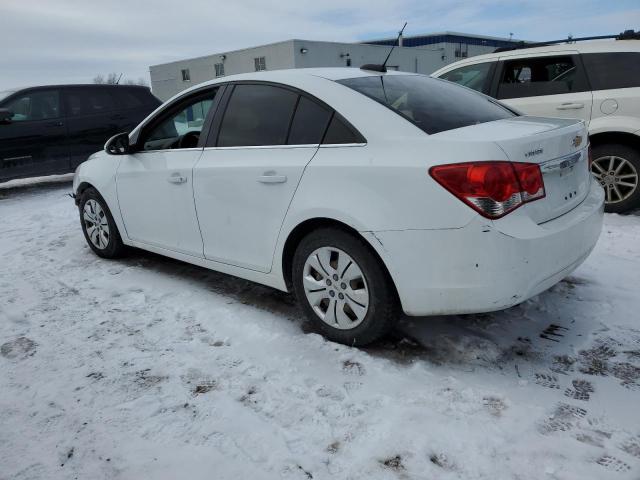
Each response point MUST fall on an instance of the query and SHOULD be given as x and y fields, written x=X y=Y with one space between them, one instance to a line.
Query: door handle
x=177 y=178
x=272 y=178
x=56 y=124
x=570 y=106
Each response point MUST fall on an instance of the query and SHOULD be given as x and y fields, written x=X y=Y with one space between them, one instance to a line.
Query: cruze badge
x=537 y=151
x=577 y=141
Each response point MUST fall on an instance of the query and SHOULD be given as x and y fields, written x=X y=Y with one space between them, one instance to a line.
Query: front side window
x=260 y=63
x=612 y=70
x=88 y=101
x=36 y=105
x=432 y=105
x=181 y=129
x=257 y=115
x=475 y=76
x=530 y=77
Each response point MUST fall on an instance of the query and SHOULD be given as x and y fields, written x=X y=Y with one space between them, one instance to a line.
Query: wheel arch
x=623 y=138
x=307 y=226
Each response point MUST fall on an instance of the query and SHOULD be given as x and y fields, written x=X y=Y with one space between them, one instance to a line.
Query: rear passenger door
x=262 y=138
x=92 y=118
x=550 y=85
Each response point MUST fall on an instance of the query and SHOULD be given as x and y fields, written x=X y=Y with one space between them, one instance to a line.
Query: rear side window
x=477 y=77
x=89 y=101
x=257 y=115
x=432 y=105
x=309 y=123
x=612 y=70
x=127 y=99
x=532 y=77
x=339 y=132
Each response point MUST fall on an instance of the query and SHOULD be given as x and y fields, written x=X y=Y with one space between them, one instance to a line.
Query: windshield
x=432 y=105
x=6 y=93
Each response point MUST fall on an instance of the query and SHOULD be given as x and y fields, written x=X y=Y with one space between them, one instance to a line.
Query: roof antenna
x=383 y=68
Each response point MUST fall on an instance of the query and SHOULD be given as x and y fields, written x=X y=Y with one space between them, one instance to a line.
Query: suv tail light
x=590 y=155
x=493 y=189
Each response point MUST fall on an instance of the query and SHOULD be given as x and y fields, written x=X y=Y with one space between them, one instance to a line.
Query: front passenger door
x=155 y=184
x=34 y=141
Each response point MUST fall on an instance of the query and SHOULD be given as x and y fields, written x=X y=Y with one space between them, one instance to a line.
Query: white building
x=420 y=54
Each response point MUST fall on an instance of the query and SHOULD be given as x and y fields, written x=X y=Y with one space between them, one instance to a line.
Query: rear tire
x=343 y=287
x=99 y=228
x=617 y=168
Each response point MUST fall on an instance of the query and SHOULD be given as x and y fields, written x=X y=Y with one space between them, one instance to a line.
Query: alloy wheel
x=618 y=177
x=96 y=224
x=336 y=288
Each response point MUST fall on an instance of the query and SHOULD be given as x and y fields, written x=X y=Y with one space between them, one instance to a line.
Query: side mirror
x=5 y=115
x=118 y=144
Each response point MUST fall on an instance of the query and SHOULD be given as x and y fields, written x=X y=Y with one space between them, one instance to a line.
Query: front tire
x=99 y=228
x=617 y=168
x=343 y=287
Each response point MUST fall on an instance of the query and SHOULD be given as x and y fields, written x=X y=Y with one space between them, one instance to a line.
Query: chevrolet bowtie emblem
x=577 y=141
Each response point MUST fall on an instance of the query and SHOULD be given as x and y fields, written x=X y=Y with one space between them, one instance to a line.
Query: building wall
x=166 y=79
x=330 y=54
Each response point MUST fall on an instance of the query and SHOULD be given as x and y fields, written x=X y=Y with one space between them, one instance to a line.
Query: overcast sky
x=71 y=41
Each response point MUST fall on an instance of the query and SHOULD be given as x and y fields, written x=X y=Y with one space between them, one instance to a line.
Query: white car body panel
x=442 y=256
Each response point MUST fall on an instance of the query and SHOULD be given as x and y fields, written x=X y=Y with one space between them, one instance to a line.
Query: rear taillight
x=590 y=156
x=493 y=189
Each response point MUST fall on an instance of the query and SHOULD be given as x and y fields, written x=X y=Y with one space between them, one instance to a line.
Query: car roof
x=591 y=46
x=70 y=85
x=333 y=73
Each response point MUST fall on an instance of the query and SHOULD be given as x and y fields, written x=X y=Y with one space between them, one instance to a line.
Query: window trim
x=214 y=133
x=24 y=91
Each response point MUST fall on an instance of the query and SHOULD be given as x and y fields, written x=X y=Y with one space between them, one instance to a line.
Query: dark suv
x=51 y=130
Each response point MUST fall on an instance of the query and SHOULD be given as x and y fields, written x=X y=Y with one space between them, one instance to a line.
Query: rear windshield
x=432 y=105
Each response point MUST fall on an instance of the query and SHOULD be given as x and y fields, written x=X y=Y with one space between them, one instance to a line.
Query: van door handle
x=177 y=178
x=570 y=106
x=269 y=177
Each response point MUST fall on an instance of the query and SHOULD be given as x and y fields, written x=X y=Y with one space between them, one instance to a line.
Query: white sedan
x=366 y=193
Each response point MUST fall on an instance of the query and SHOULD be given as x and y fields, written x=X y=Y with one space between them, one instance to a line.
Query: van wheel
x=98 y=226
x=343 y=288
x=617 y=167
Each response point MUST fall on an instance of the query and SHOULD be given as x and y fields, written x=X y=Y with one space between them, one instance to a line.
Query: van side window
x=475 y=76
x=88 y=101
x=612 y=70
x=35 y=105
x=531 y=77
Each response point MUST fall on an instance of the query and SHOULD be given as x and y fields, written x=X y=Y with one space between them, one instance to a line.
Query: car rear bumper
x=487 y=266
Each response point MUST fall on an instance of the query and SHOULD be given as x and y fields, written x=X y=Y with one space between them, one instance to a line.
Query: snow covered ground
x=150 y=368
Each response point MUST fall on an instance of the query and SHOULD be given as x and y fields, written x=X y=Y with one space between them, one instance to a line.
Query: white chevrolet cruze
x=365 y=193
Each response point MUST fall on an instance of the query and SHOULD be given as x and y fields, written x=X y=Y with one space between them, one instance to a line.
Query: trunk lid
x=558 y=145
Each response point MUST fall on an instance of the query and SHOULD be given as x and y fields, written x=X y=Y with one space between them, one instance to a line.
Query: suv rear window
x=430 y=104
x=612 y=70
